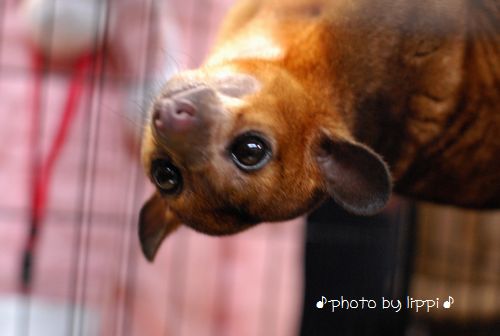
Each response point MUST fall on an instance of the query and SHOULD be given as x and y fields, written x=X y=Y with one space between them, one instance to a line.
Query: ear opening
x=355 y=176
x=156 y=222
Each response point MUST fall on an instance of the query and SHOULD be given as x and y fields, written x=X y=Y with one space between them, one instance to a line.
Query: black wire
x=3 y=10
x=181 y=250
x=82 y=240
x=108 y=218
x=137 y=185
x=102 y=68
x=79 y=215
x=22 y=72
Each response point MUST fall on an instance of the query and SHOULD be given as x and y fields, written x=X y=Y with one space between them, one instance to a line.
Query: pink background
x=88 y=254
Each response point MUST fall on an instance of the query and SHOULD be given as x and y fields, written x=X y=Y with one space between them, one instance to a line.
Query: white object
x=36 y=317
x=64 y=29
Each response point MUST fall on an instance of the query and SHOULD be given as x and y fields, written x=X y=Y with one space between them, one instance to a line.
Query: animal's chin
x=218 y=224
x=220 y=229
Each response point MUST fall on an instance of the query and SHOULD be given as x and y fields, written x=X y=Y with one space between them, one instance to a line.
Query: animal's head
x=230 y=146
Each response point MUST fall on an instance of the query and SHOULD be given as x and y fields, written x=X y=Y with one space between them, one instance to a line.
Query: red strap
x=42 y=170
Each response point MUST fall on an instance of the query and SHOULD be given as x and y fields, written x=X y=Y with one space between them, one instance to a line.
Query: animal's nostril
x=184 y=108
x=180 y=112
x=156 y=114
x=159 y=123
x=159 y=115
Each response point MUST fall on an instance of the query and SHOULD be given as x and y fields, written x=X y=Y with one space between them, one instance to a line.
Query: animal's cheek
x=225 y=179
x=261 y=188
x=148 y=148
x=300 y=180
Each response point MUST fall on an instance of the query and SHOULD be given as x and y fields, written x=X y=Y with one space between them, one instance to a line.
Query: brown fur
x=349 y=83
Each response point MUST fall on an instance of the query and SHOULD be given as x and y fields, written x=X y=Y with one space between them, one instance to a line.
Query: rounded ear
x=356 y=177
x=156 y=221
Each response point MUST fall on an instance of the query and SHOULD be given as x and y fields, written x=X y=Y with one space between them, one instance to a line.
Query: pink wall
x=88 y=254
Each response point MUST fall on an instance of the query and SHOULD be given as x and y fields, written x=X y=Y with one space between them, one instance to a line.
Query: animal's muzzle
x=183 y=120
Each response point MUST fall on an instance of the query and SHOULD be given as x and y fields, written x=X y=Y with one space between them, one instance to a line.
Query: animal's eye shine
x=166 y=176
x=250 y=152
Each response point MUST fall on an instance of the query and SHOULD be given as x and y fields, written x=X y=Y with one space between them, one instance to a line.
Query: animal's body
x=301 y=99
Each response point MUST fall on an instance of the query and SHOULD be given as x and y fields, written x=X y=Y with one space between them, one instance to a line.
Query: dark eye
x=250 y=152
x=166 y=176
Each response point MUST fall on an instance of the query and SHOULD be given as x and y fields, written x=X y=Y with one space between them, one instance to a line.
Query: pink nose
x=173 y=116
